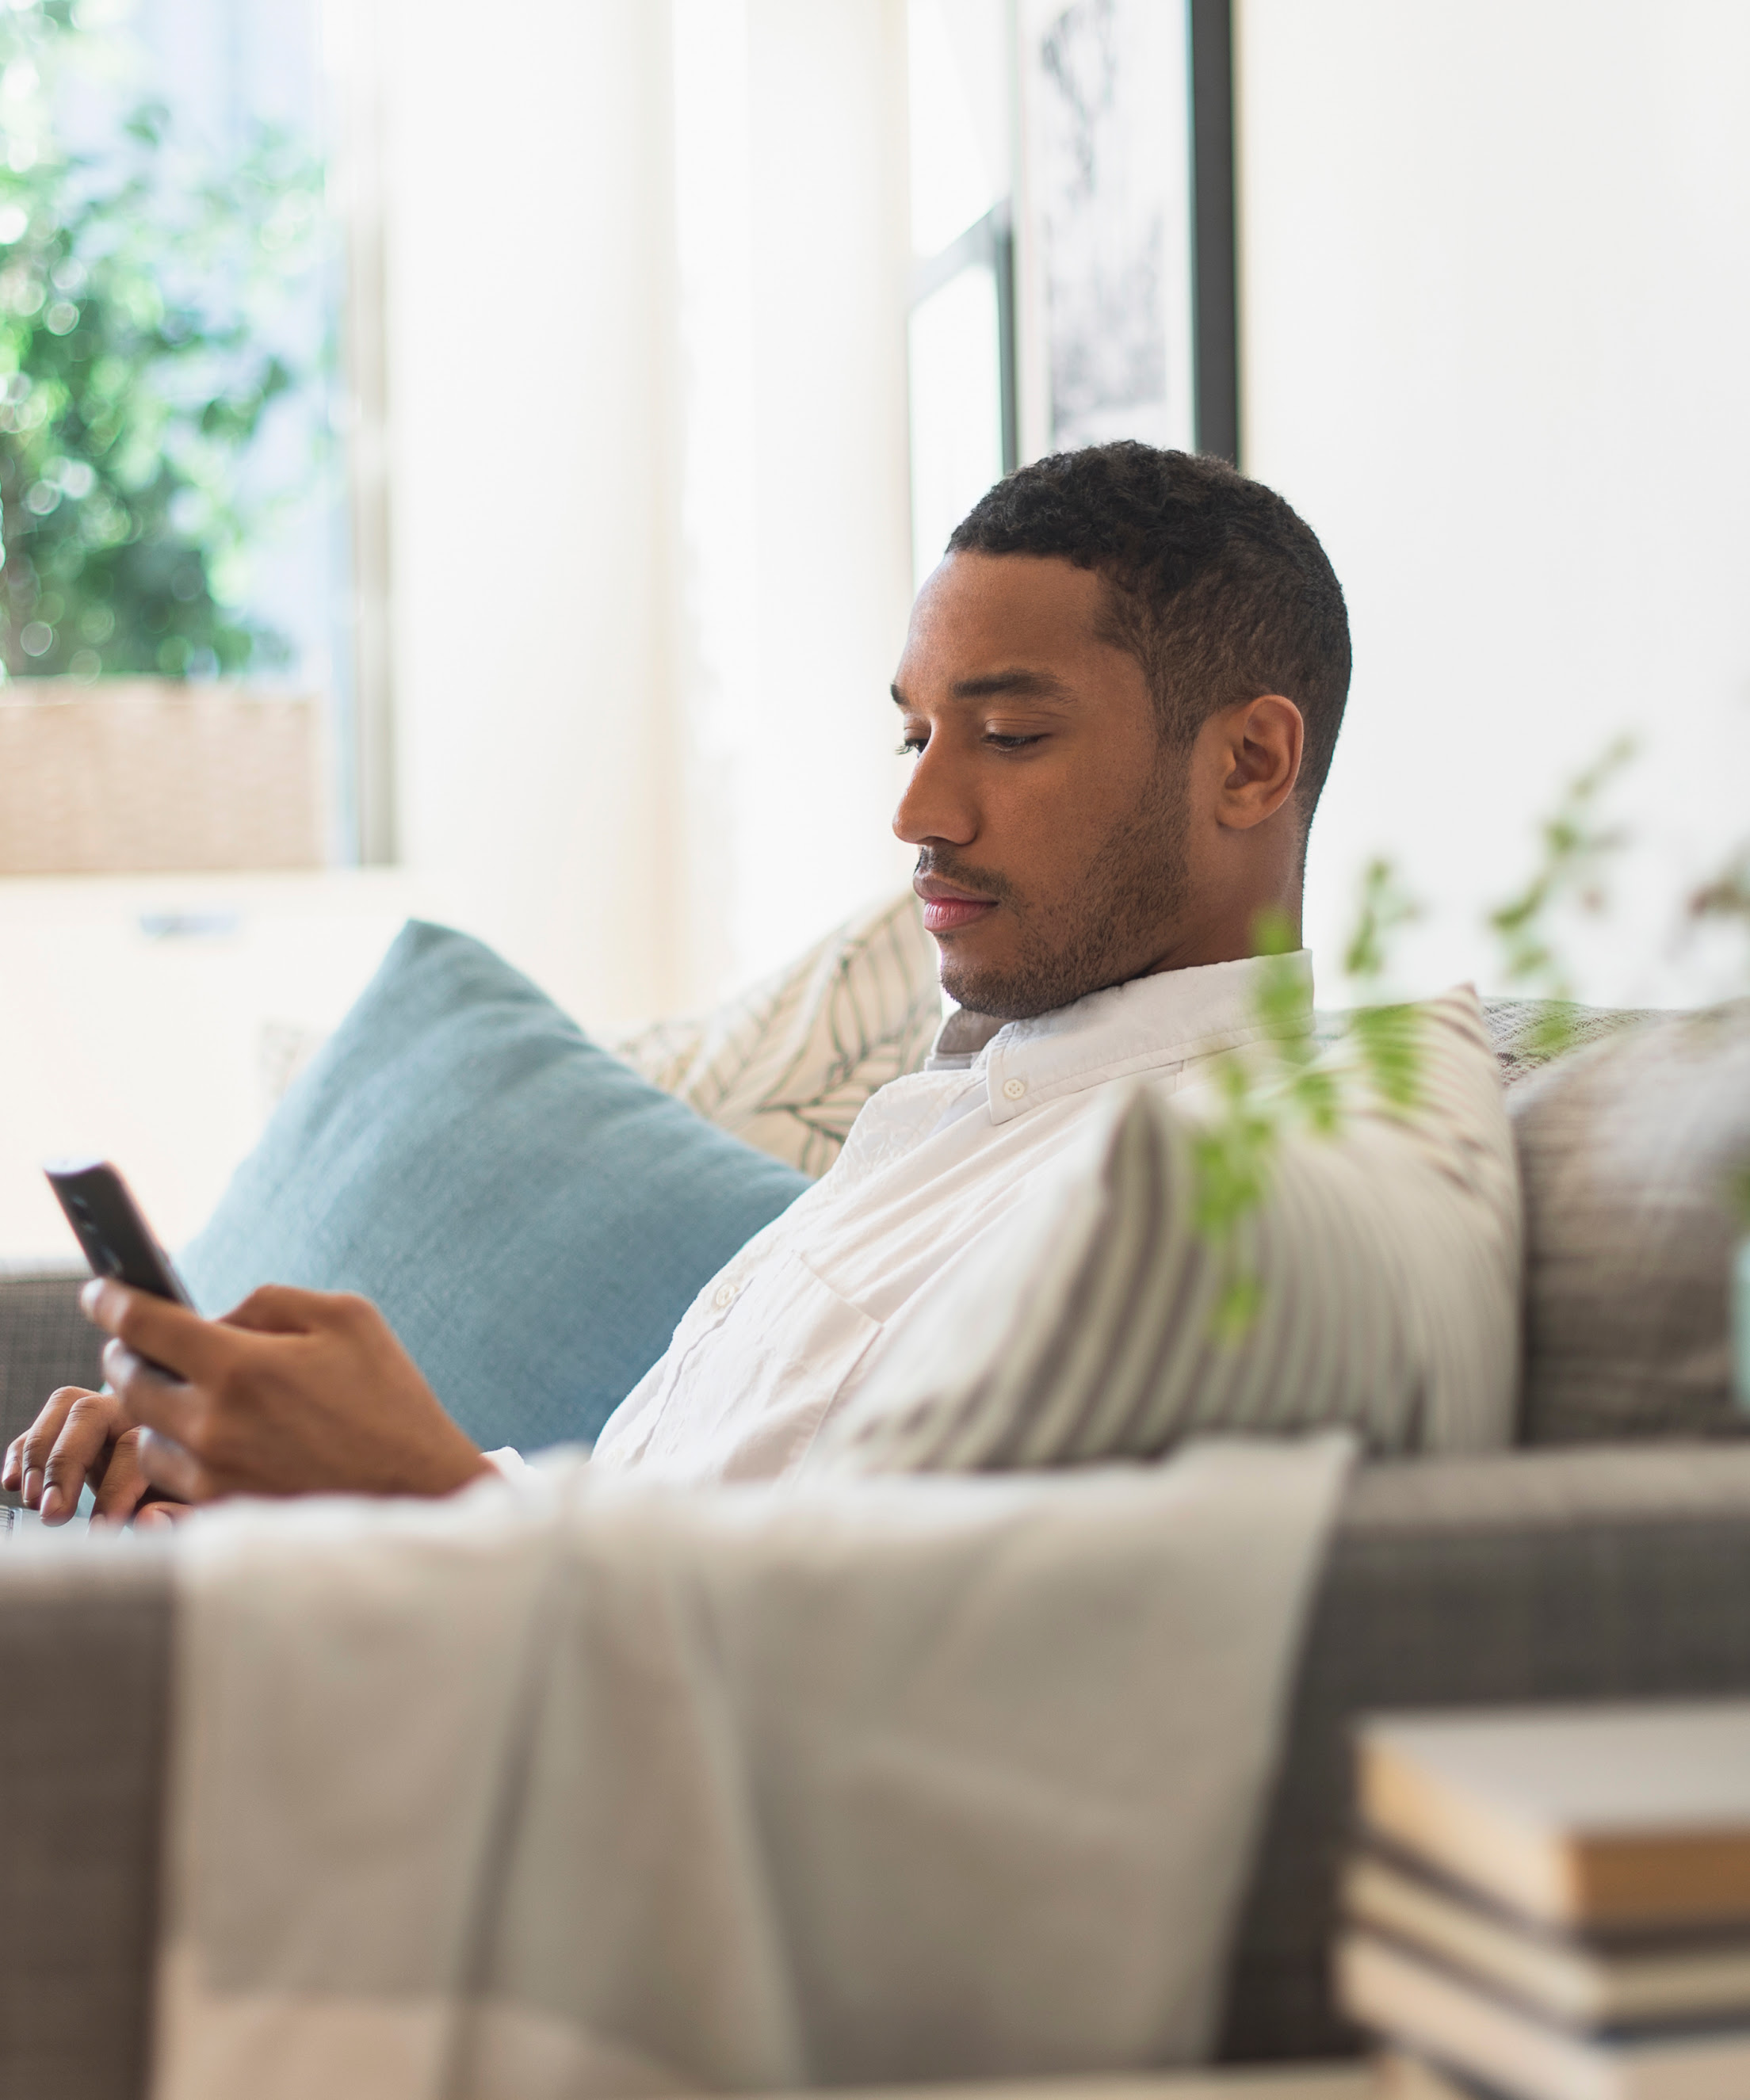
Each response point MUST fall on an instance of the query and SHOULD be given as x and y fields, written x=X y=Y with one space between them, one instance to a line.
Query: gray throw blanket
x=584 y=1788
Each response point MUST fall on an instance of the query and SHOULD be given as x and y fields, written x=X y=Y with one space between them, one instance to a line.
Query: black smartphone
x=109 y=1227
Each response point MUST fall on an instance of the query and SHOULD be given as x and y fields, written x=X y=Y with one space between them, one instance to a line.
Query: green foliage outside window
x=137 y=291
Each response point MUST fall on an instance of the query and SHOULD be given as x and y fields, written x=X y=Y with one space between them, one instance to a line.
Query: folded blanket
x=580 y=1787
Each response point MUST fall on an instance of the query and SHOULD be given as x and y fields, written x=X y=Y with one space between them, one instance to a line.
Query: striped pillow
x=1388 y=1255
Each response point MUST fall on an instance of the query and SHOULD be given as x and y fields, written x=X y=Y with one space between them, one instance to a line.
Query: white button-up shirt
x=783 y=1337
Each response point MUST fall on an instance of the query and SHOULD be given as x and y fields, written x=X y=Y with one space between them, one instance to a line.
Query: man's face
x=1049 y=814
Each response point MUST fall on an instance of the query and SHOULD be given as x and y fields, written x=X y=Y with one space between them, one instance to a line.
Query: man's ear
x=1255 y=752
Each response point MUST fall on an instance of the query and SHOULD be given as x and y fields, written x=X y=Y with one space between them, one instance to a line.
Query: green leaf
x=1385 y=906
x=1577 y=848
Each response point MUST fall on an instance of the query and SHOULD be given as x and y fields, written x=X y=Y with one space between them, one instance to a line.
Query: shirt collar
x=1150 y=1024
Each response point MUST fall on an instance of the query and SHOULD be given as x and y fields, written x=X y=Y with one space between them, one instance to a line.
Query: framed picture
x=1124 y=225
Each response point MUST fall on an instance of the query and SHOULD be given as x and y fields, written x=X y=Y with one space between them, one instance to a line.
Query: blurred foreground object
x=1556 y=1904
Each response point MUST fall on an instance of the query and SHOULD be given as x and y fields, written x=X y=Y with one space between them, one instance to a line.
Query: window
x=1072 y=197
x=175 y=607
x=961 y=329
x=191 y=720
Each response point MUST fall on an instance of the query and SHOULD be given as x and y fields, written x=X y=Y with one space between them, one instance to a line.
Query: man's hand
x=295 y=1393
x=83 y=1437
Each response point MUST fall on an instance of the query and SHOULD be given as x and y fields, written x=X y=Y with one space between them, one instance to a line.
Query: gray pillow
x=1529 y=1034
x=1626 y=1150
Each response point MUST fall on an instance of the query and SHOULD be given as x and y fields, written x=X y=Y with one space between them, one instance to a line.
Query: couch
x=1602 y=1571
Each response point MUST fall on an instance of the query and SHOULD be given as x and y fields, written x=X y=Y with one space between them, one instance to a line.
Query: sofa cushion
x=1386 y=1253
x=531 y=1216
x=788 y=1066
x=1530 y=1033
x=46 y=1341
x=1626 y=1149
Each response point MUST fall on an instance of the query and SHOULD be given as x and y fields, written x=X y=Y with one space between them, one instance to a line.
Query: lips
x=947 y=910
x=947 y=915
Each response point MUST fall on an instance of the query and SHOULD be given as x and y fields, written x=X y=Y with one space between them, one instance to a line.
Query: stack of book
x=1554 y=1905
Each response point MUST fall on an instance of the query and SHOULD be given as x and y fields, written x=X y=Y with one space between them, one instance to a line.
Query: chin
x=1007 y=995
x=1037 y=980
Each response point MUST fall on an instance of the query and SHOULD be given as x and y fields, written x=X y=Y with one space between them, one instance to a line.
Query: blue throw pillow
x=530 y=1217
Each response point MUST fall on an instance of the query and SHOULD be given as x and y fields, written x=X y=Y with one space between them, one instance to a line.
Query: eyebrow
x=1024 y=685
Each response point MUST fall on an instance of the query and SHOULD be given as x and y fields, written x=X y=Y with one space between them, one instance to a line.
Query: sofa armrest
x=85 y=1651
x=44 y=1342
x=1576 y=1574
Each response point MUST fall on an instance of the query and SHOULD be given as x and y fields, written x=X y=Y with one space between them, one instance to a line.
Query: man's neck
x=964 y=1033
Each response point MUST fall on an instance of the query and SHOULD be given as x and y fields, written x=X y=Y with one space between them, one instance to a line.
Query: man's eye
x=1011 y=743
x=911 y=747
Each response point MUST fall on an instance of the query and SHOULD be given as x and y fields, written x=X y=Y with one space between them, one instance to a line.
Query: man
x=1122 y=688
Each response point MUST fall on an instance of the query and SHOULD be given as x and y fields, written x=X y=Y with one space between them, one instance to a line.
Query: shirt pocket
x=774 y=1367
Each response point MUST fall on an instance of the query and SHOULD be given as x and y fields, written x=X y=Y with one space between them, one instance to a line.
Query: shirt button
x=724 y=1294
x=1015 y=1088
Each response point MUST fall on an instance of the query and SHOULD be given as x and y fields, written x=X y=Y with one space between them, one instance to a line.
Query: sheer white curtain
x=791 y=195
x=646 y=321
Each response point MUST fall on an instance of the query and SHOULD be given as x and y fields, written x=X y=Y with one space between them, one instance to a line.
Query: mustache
x=946 y=868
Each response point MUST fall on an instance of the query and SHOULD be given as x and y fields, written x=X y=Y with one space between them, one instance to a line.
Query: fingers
x=170 y=1335
x=26 y=1457
x=150 y=1400
x=123 y=1485
x=275 y=1308
x=78 y=1453
x=161 y=1517
x=176 y=1471
x=26 y=1453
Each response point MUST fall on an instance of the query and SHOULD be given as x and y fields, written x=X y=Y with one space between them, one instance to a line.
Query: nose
x=938 y=804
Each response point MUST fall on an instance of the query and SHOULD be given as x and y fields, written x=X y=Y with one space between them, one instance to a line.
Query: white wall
x=791 y=211
x=650 y=534
x=1496 y=286
x=831 y=251
x=530 y=386
x=161 y=1050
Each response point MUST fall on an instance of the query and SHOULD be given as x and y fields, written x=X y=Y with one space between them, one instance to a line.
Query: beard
x=1104 y=930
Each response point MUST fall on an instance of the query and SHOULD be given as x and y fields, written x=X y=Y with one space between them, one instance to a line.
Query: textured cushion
x=46 y=1341
x=1625 y=1149
x=1530 y=1033
x=1388 y=1255
x=531 y=1217
x=787 y=1066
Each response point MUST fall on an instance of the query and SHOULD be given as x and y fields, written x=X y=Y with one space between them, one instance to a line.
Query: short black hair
x=1216 y=587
